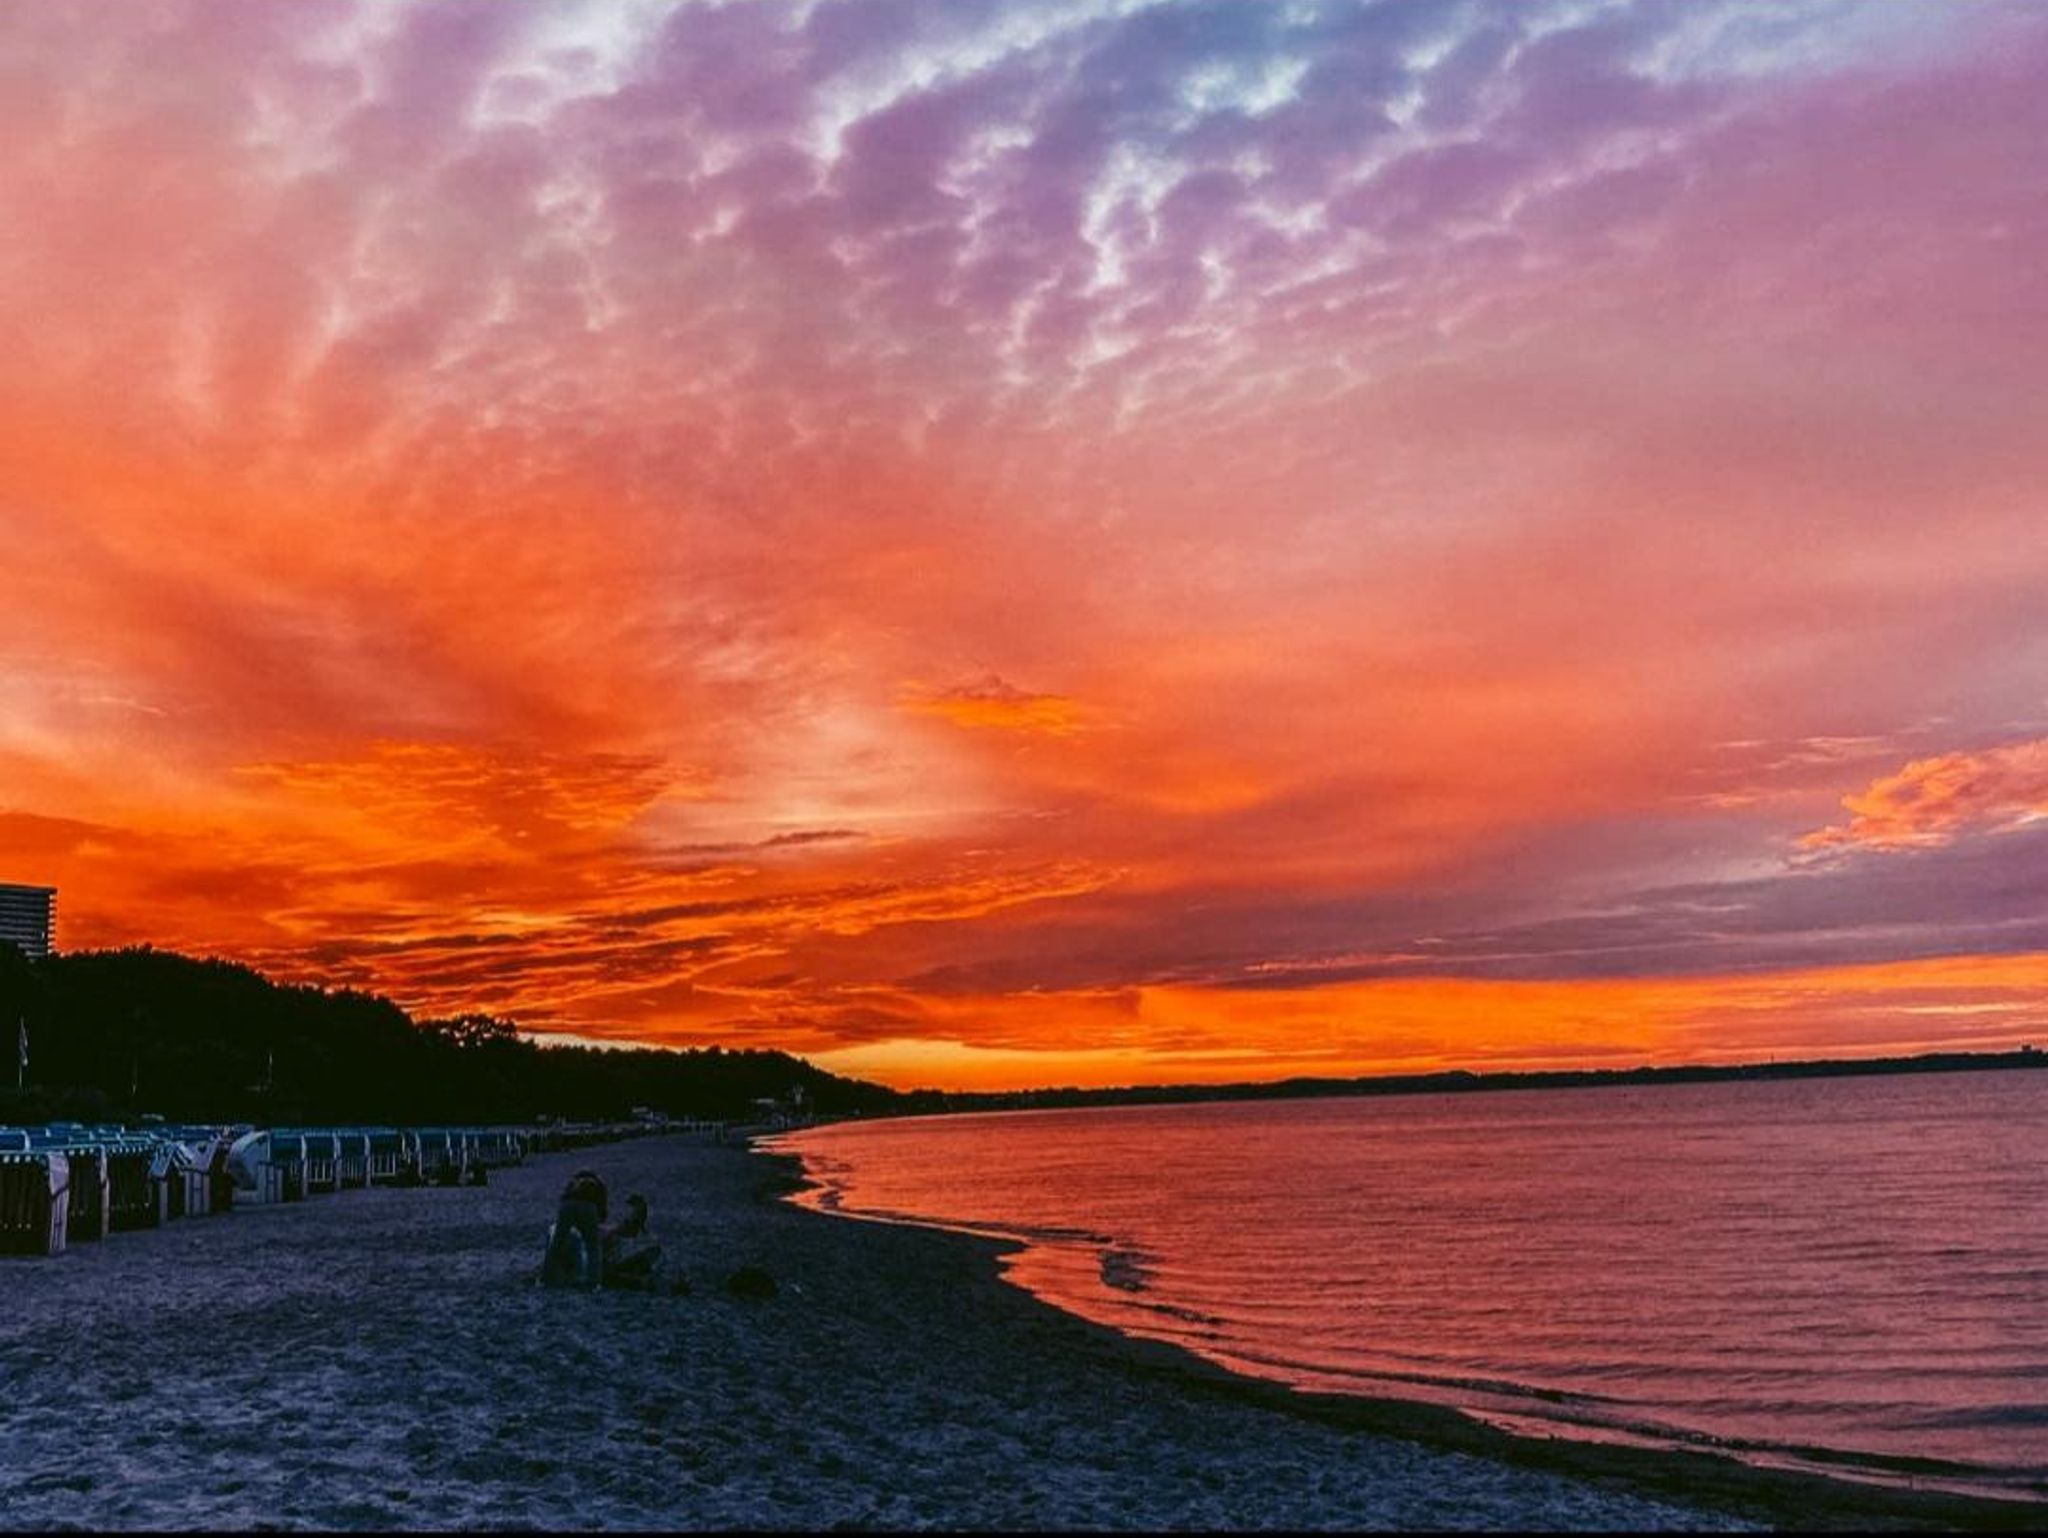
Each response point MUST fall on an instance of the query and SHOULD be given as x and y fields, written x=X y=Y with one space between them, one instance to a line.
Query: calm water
x=1829 y=1272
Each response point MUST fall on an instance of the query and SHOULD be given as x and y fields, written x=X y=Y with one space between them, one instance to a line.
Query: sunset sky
x=1041 y=542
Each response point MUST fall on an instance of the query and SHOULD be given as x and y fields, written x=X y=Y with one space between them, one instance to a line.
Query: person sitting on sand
x=575 y=1255
x=632 y=1255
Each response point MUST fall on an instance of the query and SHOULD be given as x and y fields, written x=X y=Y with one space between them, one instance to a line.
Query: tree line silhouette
x=114 y=1034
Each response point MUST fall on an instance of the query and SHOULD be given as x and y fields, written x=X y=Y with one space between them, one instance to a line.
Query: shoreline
x=382 y=1359
x=1722 y=1482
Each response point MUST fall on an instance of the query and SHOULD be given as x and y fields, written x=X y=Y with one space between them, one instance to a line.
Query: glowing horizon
x=1007 y=545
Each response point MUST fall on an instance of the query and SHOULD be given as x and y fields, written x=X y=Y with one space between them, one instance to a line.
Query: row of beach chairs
x=64 y=1183
x=273 y=1164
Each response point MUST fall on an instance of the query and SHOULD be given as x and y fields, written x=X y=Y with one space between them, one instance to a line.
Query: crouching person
x=575 y=1255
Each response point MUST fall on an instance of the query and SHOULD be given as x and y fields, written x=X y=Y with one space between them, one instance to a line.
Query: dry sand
x=382 y=1359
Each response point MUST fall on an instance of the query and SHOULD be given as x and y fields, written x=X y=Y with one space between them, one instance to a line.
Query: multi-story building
x=26 y=914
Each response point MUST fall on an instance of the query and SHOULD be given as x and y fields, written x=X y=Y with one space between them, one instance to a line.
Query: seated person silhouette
x=575 y=1254
x=632 y=1255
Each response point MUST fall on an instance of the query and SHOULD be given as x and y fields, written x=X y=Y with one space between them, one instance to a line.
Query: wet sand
x=382 y=1359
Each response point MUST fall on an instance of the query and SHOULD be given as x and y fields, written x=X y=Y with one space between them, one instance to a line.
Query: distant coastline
x=1461 y=1080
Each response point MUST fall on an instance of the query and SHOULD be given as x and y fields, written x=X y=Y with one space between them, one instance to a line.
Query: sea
x=1843 y=1275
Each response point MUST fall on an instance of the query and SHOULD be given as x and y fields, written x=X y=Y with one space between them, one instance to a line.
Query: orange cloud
x=449 y=792
x=993 y=703
x=1934 y=801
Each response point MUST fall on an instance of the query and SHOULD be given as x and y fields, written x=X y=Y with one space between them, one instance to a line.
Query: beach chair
x=134 y=1193
x=86 y=1167
x=351 y=1159
x=320 y=1163
x=187 y=1156
x=195 y=1175
x=220 y=1179
x=441 y=1160
x=387 y=1153
x=292 y=1156
x=288 y=1155
x=35 y=1202
x=180 y=1186
x=86 y=1202
x=264 y=1167
x=429 y=1148
x=164 y=1182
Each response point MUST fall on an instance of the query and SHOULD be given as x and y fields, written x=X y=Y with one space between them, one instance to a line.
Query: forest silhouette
x=121 y=1033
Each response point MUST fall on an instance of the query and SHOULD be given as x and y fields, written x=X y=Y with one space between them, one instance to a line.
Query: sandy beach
x=382 y=1359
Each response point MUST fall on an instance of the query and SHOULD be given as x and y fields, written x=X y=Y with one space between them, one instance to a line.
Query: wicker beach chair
x=441 y=1156
x=321 y=1163
x=86 y=1163
x=174 y=1165
x=134 y=1193
x=220 y=1179
x=387 y=1152
x=288 y=1153
x=351 y=1159
x=35 y=1202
